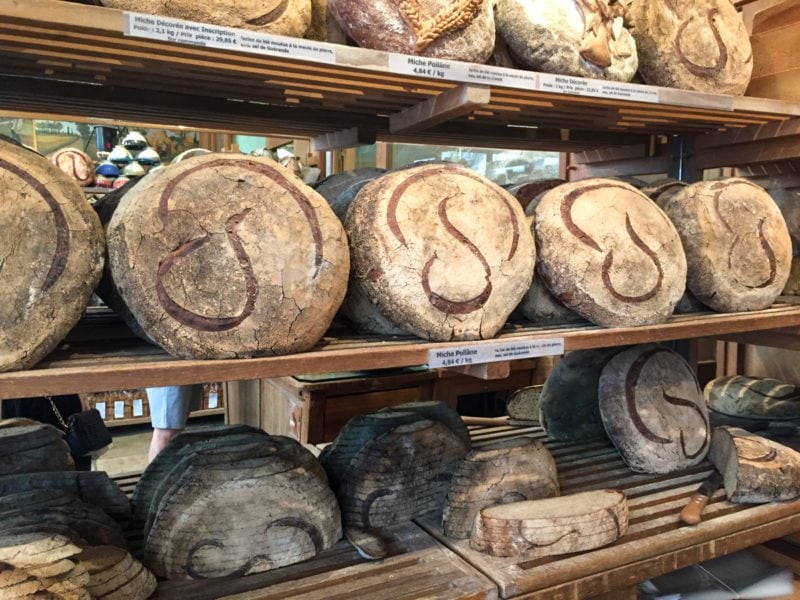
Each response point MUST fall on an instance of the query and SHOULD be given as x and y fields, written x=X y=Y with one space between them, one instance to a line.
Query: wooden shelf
x=207 y=412
x=50 y=51
x=96 y=364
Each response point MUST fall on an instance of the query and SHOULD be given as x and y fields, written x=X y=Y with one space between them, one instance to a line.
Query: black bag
x=84 y=432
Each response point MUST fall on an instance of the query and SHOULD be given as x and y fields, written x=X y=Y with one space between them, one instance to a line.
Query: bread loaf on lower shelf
x=535 y=528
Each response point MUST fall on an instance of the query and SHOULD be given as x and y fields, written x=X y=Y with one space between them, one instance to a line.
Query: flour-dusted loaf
x=584 y=38
x=541 y=307
x=341 y=189
x=700 y=45
x=260 y=273
x=551 y=526
x=663 y=190
x=754 y=468
x=568 y=406
x=502 y=472
x=653 y=410
x=609 y=253
x=32 y=447
x=75 y=163
x=737 y=244
x=523 y=404
x=753 y=398
x=420 y=254
x=526 y=193
x=279 y=17
x=52 y=256
x=452 y=29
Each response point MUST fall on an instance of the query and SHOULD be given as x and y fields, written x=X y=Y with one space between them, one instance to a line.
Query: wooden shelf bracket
x=346 y=138
x=453 y=103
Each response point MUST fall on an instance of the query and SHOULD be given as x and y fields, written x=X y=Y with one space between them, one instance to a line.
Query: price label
x=434 y=68
x=580 y=86
x=213 y=399
x=138 y=407
x=511 y=78
x=101 y=408
x=119 y=409
x=477 y=354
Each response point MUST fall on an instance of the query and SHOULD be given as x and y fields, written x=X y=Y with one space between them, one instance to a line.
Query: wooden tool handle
x=692 y=512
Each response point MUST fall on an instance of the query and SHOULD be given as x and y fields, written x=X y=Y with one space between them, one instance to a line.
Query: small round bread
x=737 y=244
x=609 y=253
x=75 y=163
x=51 y=256
x=573 y=37
x=700 y=45
x=453 y=29
x=443 y=252
x=653 y=410
x=225 y=256
x=279 y=17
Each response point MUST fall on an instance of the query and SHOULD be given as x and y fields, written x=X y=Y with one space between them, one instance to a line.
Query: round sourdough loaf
x=225 y=256
x=653 y=410
x=737 y=244
x=279 y=17
x=700 y=45
x=442 y=252
x=609 y=253
x=574 y=37
x=453 y=29
x=75 y=163
x=52 y=256
x=541 y=307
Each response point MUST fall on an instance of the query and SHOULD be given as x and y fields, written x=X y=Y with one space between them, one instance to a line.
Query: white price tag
x=213 y=399
x=119 y=409
x=485 y=353
x=436 y=68
x=138 y=407
x=273 y=45
x=511 y=78
x=101 y=408
x=600 y=89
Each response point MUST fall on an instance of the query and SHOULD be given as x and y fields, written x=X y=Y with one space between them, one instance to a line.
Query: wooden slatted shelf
x=656 y=541
x=69 y=44
x=96 y=363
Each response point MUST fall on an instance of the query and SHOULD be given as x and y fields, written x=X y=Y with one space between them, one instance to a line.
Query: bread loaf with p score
x=609 y=253
x=52 y=253
x=738 y=247
x=653 y=410
x=260 y=273
x=420 y=255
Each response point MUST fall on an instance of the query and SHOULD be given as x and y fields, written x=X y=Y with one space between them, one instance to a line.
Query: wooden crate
x=419 y=568
x=656 y=541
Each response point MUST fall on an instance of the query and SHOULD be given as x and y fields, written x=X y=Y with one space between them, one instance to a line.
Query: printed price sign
x=435 y=68
x=457 y=356
x=600 y=89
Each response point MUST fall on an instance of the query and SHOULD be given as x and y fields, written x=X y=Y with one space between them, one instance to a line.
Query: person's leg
x=169 y=409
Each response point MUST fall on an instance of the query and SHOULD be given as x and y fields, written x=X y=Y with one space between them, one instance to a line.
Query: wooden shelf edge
x=70 y=370
x=206 y=412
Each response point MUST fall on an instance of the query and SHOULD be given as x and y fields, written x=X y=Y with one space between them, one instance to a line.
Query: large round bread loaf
x=453 y=29
x=541 y=307
x=75 y=163
x=653 y=410
x=573 y=37
x=279 y=17
x=51 y=256
x=700 y=45
x=228 y=256
x=442 y=252
x=609 y=253
x=753 y=398
x=737 y=245
x=568 y=405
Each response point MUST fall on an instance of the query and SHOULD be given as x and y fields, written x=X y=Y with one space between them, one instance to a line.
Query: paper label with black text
x=477 y=354
x=580 y=86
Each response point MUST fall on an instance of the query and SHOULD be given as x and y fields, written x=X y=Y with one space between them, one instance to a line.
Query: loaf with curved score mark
x=51 y=256
x=754 y=468
x=278 y=17
x=653 y=410
x=240 y=508
x=227 y=256
x=75 y=163
x=420 y=254
x=582 y=38
x=609 y=253
x=694 y=45
x=738 y=247
x=453 y=29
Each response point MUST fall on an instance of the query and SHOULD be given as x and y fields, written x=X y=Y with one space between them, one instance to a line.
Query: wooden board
x=656 y=541
x=99 y=365
x=420 y=568
x=62 y=42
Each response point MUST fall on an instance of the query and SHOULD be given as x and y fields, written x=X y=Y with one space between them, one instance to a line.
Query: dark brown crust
x=694 y=68
x=631 y=380
x=61 y=254
x=366 y=507
x=216 y=324
x=608 y=262
x=667 y=187
x=272 y=16
x=309 y=528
